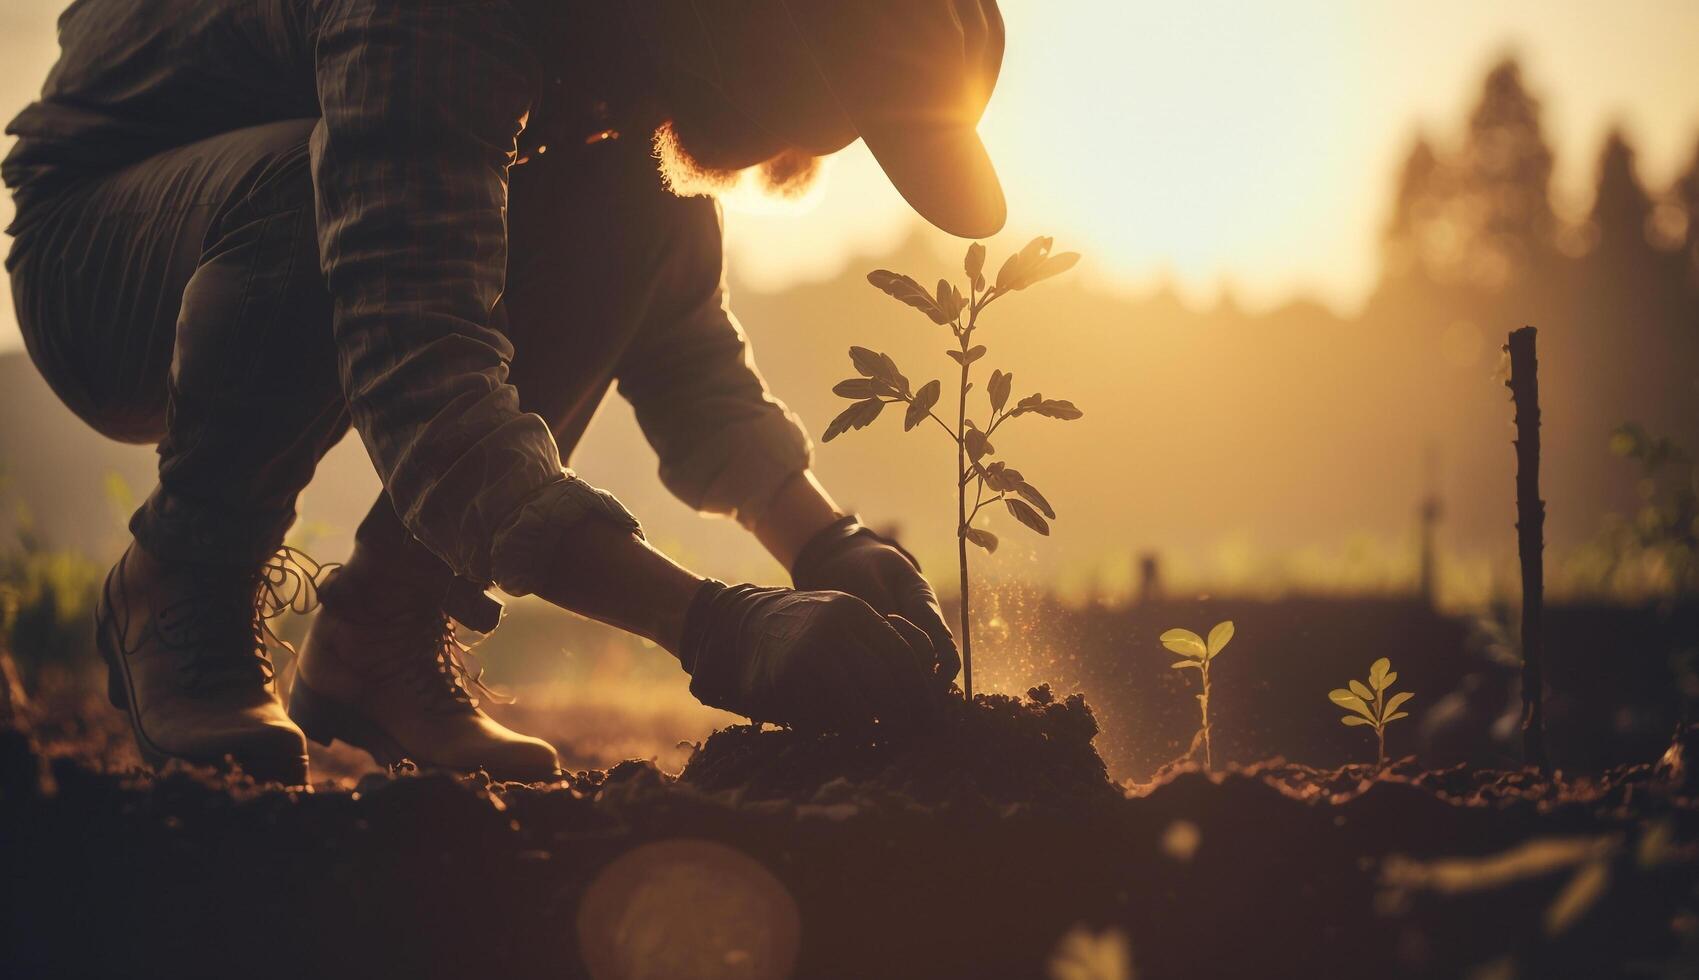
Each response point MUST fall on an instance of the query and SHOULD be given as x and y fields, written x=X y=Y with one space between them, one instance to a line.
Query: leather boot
x=187 y=659
x=381 y=669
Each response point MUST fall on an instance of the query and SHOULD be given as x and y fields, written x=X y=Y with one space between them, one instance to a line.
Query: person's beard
x=788 y=173
x=706 y=147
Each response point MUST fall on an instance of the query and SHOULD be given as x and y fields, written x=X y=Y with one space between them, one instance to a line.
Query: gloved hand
x=810 y=659
x=848 y=556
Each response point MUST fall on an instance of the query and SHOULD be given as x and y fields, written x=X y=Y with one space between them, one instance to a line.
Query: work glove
x=848 y=556
x=815 y=660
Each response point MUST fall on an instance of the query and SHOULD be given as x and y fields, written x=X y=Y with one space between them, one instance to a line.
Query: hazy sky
x=1210 y=141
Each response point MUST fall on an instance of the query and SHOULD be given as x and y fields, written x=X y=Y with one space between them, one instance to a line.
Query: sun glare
x=1249 y=145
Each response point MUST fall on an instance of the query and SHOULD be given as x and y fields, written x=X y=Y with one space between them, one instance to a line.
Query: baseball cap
x=911 y=78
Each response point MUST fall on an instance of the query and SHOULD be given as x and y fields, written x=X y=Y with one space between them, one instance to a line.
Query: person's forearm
x=614 y=577
x=800 y=510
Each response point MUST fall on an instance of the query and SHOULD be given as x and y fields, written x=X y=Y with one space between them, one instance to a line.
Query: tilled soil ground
x=969 y=851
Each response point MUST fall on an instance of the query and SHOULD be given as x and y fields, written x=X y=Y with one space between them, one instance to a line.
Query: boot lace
x=223 y=627
x=448 y=680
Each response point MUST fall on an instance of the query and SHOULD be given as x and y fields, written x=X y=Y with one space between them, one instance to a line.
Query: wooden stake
x=1524 y=385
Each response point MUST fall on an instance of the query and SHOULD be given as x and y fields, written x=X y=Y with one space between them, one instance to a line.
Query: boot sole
x=325 y=720
x=119 y=687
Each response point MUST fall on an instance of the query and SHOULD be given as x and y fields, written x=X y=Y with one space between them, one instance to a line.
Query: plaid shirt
x=423 y=105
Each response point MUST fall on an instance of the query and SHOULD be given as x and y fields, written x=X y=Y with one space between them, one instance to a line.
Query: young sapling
x=1373 y=706
x=977 y=471
x=1198 y=654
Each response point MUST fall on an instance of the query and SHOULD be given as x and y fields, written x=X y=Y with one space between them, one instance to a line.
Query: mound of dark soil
x=998 y=751
x=969 y=851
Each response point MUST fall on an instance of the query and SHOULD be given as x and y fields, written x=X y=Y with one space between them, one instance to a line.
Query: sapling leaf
x=924 y=399
x=1185 y=643
x=1024 y=513
x=879 y=367
x=858 y=416
x=974 y=263
x=998 y=476
x=1019 y=268
x=1035 y=498
x=1010 y=272
x=859 y=388
x=1345 y=699
x=977 y=444
x=998 y=389
x=985 y=539
x=949 y=300
x=1057 y=408
x=1355 y=720
x=1055 y=265
x=906 y=290
x=866 y=362
x=1219 y=637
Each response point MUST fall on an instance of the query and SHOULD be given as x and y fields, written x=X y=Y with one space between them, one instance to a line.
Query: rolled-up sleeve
x=422 y=103
x=726 y=445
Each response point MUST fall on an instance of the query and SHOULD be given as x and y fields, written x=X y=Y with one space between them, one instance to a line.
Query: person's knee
x=262 y=272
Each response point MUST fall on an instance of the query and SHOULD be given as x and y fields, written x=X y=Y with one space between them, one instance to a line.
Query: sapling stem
x=1208 y=748
x=962 y=521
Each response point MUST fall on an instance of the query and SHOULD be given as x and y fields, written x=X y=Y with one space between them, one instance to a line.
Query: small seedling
x=1371 y=703
x=881 y=383
x=1199 y=653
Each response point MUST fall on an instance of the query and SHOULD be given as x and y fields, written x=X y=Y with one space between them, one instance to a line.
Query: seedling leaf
x=906 y=290
x=1035 y=498
x=1055 y=265
x=998 y=389
x=1186 y=663
x=1355 y=720
x=1033 y=264
x=1185 y=643
x=1024 y=513
x=1057 y=408
x=974 y=264
x=858 y=388
x=857 y=416
x=1219 y=637
x=1401 y=714
x=1393 y=703
x=1361 y=690
x=1377 y=672
x=985 y=539
x=880 y=368
x=977 y=444
x=924 y=399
